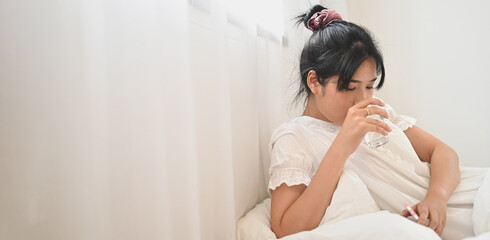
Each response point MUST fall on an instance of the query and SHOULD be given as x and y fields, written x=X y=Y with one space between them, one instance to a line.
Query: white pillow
x=351 y=198
x=256 y=223
x=481 y=207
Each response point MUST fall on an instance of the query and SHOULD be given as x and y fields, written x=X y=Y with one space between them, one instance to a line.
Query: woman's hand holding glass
x=356 y=124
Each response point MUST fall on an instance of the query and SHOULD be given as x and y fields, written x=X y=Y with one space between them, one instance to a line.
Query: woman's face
x=332 y=106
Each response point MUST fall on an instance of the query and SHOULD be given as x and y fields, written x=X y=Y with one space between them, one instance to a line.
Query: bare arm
x=444 y=162
x=299 y=208
x=444 y=176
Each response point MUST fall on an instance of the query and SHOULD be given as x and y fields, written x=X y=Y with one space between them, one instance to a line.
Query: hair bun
x=315 y=9
x=318 y=17
x=321 y=19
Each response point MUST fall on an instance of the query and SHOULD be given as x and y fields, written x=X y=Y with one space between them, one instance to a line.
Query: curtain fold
x=139 y=119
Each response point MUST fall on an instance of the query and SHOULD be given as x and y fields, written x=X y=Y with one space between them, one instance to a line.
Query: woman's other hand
x=432 y=209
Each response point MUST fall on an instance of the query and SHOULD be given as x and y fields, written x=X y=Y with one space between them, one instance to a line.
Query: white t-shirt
x=392 y=173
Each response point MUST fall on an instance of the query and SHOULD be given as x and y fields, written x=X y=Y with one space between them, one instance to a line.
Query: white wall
x=436 y=59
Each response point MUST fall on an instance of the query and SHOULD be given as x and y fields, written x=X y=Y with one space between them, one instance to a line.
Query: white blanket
x=353 y=214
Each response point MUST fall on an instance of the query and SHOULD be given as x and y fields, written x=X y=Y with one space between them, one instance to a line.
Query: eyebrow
x=357 y=81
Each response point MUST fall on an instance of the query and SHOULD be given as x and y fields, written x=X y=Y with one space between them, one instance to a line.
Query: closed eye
x=352 y=89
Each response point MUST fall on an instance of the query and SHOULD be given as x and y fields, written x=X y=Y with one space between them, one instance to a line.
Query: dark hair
x=337 y=49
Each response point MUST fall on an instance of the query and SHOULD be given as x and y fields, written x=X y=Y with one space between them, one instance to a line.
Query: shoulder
x=290 y=154
x=291 y=130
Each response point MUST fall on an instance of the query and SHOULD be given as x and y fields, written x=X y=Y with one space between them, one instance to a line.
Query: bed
x=353 y=214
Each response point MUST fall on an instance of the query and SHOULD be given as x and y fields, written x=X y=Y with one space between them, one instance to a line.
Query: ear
x=312 y=81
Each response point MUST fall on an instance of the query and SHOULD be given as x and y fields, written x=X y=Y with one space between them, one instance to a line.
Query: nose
x=361 y=95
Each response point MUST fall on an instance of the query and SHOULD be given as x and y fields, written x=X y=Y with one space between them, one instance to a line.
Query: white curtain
x=124 y=119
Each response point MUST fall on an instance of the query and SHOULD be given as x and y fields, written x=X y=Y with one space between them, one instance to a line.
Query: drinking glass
x=374 y=139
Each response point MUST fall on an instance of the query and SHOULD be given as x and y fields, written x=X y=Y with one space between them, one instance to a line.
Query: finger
x=378 y=126
x=440 y=227
x=405 y=213
x=433 y=220
x=369 y=101
x=379 y=123
x=377 y=110
x=423 y=214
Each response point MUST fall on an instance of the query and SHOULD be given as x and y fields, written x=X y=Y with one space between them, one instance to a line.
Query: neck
x=311 y=110
x=308 y=108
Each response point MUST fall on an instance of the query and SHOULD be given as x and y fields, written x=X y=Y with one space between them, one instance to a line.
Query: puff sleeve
x=290 y=162
x=401 y=121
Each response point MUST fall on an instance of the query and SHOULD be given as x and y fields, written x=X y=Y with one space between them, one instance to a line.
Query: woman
x=340 y=66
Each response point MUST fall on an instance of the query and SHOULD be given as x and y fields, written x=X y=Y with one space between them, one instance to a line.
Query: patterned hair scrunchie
x=321 y=19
